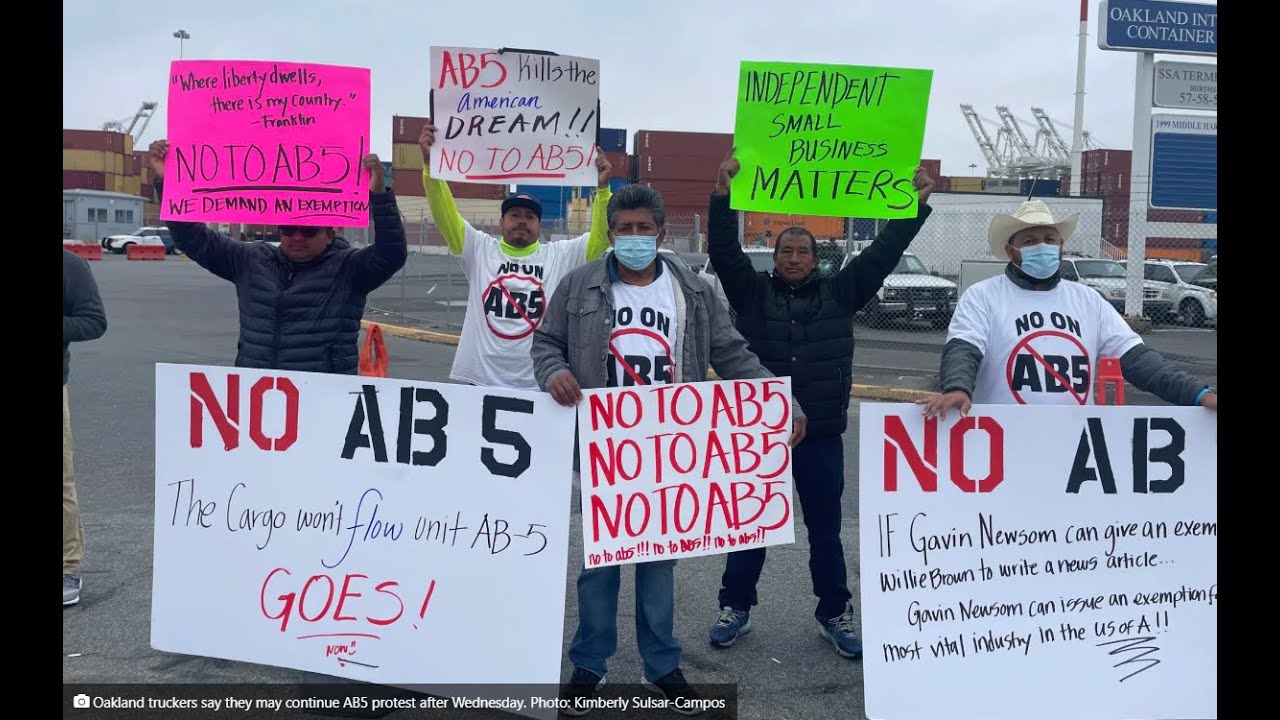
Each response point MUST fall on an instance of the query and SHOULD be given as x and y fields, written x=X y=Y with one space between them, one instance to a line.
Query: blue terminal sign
x=1184 y=163
x=1157 y=26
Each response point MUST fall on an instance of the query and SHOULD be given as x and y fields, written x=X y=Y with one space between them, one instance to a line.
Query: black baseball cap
x=522 y=200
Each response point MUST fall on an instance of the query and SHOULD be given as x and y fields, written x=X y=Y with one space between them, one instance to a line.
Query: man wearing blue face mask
x=651 y=321
x=1027 y=338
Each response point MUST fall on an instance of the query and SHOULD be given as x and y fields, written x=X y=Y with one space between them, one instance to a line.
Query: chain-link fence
x=1178 y=281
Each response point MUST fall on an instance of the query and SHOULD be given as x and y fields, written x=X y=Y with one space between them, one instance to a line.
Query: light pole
x=972 y=167
x=181 y=35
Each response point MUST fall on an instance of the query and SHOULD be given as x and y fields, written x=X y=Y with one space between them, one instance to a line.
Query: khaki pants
x=72 y=526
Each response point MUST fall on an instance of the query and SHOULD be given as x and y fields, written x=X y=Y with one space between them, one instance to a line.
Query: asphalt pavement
x=175 y=312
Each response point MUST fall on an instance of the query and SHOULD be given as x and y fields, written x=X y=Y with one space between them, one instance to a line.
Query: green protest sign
x=838 y=140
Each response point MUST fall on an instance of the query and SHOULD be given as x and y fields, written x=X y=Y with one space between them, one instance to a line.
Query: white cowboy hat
x=1032 y=213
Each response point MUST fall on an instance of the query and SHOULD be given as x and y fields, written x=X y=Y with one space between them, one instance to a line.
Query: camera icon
x=80 y=701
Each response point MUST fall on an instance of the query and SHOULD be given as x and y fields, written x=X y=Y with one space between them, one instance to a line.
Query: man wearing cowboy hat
x=1025 y=337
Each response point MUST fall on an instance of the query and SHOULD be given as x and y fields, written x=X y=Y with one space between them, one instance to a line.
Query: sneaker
x=677 y=691
x=839 y=632
x=731 y=624
x=70 y=589
x=582 y=686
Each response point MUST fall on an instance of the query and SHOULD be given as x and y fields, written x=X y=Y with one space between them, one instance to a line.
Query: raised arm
x=210 y=249
x=439 y=198
x=598 y=243
x=865 y=273
x=742 y=284
x=374 y=265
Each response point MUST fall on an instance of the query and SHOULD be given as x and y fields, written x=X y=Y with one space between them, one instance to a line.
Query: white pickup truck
x=911 y=292
x=119 y=244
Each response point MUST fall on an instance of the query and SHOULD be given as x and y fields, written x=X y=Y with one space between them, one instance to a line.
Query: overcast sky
x=665 y=64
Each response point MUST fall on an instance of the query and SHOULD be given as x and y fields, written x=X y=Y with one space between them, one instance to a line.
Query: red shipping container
x=1115 y=208
x=1089 y=185
x=662 y=142
x=147 y=190
x=621 y=163
x=943 y=183
x=1176 y=216
x=83 y=180
x=1112 y=183
x=1175 y=243
x=1109 y=161
x=133 y=165
x=1116 y=232
x=701 y=168
x=409 y=182
x=405 y=129
x=932 y=167
x=683 y=193
x=102 y=140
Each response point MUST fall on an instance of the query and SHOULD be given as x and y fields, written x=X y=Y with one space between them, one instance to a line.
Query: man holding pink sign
x=300 y=303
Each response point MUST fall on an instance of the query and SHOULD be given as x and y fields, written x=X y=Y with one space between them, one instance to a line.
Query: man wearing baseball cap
x=989 y=357
x=510 y=279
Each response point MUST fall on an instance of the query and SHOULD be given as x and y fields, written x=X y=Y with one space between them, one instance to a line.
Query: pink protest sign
x=267 y=143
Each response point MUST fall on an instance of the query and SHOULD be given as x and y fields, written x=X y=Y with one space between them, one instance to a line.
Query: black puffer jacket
x=301 y=316
x=806 y=331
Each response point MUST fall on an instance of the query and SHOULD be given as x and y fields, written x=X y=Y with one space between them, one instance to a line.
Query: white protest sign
x=1039 y=562
x=376 y=529
x=675 y=471
x=514 y=117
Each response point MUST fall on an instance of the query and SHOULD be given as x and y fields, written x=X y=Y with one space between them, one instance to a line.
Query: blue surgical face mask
x=1040 y=261
x=636 y=252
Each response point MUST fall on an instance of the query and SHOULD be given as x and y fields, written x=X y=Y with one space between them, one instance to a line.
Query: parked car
x=1109 y=278
x=911 y=292
x=1190 y=303
x=761 y=261
x=119 y=244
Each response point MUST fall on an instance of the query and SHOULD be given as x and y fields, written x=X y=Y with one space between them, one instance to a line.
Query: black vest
x=805 y=333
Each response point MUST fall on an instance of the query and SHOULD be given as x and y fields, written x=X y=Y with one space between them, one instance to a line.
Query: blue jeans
x=597 y=637
x=817 y=464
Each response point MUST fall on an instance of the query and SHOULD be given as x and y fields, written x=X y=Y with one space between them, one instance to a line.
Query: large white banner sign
x=672 y=471
x=1039 y=562
x=375 y=529
x=514 y=117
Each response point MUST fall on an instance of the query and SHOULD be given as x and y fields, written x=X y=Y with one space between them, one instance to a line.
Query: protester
x=995 y=353
x=83 y=319
x=801 y=325
x=580 y=345
x=300 y=303
x=510 y=279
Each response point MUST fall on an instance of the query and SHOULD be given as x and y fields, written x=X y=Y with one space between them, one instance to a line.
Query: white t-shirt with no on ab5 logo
x=1039 y=347
x=506 y=299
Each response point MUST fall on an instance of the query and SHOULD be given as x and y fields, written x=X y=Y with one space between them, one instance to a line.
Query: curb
x=866 y=392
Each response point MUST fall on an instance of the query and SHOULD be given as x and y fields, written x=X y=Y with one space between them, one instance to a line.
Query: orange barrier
x=85 y=250
x=1109 y=375
x=145 y=252
x=373 y=356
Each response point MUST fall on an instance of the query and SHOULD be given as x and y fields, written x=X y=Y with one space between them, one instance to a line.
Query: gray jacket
x=574 y=334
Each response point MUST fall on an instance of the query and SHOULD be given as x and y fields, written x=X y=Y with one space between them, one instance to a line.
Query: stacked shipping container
x=1108 y=174
x=406 y=165
x=99 y=160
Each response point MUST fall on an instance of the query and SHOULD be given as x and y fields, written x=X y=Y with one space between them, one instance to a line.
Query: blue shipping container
x=613 y=140
x=616 y=183
x=1033 y=187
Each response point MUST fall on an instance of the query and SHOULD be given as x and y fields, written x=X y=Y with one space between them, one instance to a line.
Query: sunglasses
x=306 y=232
